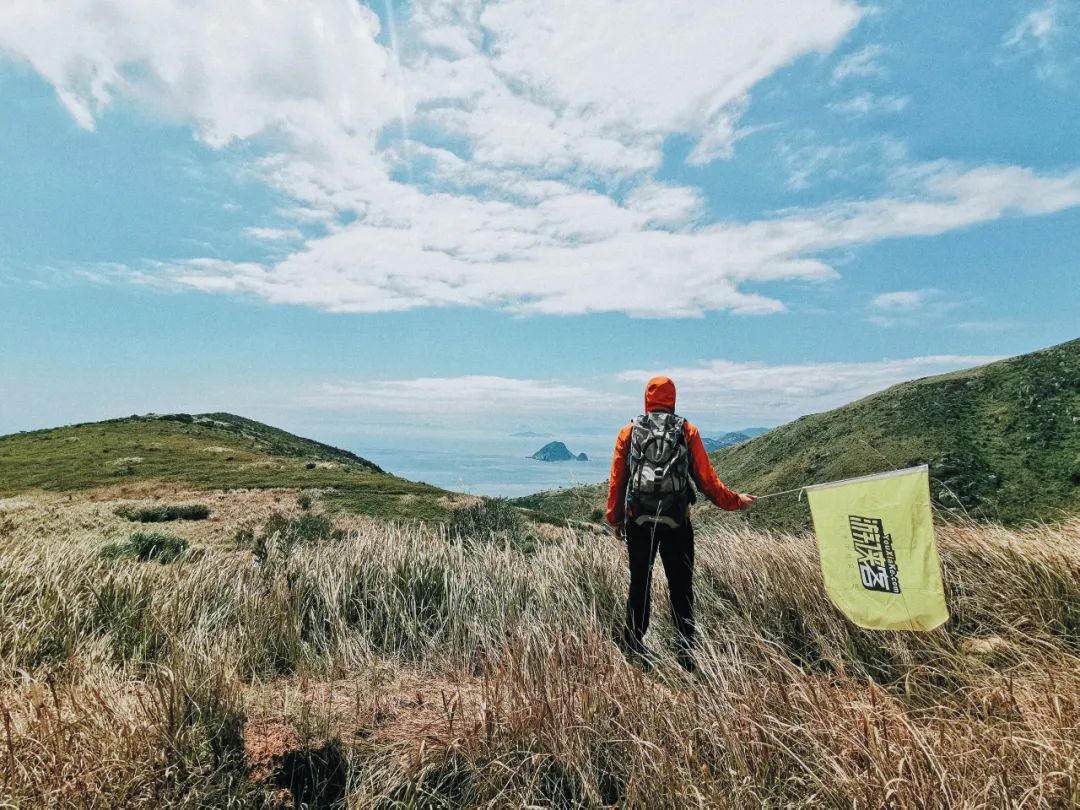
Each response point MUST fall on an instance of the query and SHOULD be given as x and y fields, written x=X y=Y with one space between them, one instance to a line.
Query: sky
x=390 y=222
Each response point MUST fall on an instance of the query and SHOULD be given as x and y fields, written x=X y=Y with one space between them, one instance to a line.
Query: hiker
x=657 y=456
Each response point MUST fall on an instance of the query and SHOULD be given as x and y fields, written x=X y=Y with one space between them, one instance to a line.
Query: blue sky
x=369 y=223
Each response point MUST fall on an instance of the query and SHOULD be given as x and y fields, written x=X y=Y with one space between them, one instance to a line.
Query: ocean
x=503 y=471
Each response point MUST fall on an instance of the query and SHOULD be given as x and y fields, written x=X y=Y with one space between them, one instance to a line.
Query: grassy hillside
x=387 y=666
x=273 y=652
x=1002 y=442
x=207 y=451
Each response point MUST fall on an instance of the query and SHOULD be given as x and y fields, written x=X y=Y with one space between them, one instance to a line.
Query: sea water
x=503 y=470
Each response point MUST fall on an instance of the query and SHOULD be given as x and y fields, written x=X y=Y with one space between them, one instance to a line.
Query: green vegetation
x=285 y=534
x=210 y=451
x=1002 y=442
x=164 y=513
x=401 y=670
x=494 y=520
x=570 y=505
x=146 y=546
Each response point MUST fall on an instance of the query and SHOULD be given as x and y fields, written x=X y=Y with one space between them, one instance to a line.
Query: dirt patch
x=297 y=775
x=266 y=742
x=404 y=710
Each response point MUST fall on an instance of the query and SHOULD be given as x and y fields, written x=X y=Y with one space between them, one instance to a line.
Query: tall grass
x=147 y=546
x=394 y=668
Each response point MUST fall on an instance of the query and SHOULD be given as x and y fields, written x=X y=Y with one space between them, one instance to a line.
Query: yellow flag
x=878 y=552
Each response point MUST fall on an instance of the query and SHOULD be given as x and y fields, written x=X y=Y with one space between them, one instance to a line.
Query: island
x=557 y=451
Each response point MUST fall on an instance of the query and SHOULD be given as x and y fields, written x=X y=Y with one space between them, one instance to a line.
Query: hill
x=726 y=440
x=1002 y=442
x=205 y=451
x=732 y=437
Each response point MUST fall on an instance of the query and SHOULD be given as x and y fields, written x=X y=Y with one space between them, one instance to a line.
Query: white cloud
x=863 y=63
x=231 y=70
x=732 y=393
x=909 y=307
x=274 y=234
x=902 y=300
x=1049 y=35
x=609 y=75
x=666 y=205
x=1035 y=30
x=714 y=393
x=526 y=182
x=985 y=327
x=806 y=158
x=804 y=162
x=578 y=251
x=865 y=104
x=475 y=396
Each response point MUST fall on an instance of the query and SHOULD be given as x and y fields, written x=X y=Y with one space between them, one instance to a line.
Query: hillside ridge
x=1002 y=441
x=277 y=441
x=211 y=451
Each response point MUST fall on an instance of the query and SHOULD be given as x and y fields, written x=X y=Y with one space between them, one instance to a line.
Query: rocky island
x=557 y=451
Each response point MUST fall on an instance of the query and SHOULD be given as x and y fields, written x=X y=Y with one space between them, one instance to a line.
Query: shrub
x=165 y=512
x=493 y=520
x=244 y=537
x=305 y=528
x=146 y=546
x=288 y=533
x=183 y=418
x=305 y=501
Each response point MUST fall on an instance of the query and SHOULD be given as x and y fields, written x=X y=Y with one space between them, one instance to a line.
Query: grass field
x=400 y=665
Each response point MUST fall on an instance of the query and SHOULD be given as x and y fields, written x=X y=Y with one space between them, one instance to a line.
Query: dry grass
x=394 y=668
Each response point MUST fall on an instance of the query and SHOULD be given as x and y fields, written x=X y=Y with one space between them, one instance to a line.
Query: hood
x=660 y=395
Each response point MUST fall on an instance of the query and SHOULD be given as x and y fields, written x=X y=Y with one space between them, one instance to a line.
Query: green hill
x=206 y=451
x=1002 y=442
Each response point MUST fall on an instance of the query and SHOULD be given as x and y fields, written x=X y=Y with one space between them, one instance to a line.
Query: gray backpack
x=658 y=488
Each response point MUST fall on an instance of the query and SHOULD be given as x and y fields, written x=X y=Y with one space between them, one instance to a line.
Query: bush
x=303 y=528
x=165 y=512
x=288 y=532
x=494 y=520
x=305 y=500
x=146 y=546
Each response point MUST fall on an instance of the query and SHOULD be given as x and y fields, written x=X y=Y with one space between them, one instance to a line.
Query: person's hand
x=746 y=501
x=617 y=530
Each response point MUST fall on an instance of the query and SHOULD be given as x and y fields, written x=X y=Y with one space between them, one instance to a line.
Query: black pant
x=676 y=547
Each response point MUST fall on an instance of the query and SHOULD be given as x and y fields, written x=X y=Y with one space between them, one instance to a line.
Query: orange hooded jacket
x=660 y=396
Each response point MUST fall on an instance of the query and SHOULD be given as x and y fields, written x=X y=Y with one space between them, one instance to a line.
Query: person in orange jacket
x=659 y=458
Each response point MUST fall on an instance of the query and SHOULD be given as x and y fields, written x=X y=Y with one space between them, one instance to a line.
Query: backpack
x=658 y=484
